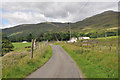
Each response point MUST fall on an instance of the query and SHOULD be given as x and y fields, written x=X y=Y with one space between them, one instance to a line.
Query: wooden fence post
x=116 y=48
x=47 y=43
x=105 y=48
x=94 y=47
x=34 y=44
x=38 y=47
x=41 y=48
x=97 y=45
x=91 y=47
x=101 y=48
x=32 y=49
x=110 y=48
x=87 y=45
x=82 y=48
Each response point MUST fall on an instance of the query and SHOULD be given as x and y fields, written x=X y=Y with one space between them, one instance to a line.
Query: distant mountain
x=33 y=28
x=106 y=21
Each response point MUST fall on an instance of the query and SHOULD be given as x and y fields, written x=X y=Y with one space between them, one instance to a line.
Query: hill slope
x=101 y=22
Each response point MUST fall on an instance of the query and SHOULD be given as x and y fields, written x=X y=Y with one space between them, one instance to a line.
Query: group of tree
x=51 y=36
x=6 y=44
x=27 y=38
x=61 y=36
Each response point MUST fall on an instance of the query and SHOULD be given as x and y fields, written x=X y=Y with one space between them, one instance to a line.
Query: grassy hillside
x=102 y=22
x=106 y=21
x=30 y=28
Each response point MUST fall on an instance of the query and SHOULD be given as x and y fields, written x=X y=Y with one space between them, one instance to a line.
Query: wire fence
x=40 y=47
x=99 y=47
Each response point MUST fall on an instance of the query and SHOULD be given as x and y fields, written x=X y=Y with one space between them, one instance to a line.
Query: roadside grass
x=108 y=38
x=92 y=62
x=20 y=65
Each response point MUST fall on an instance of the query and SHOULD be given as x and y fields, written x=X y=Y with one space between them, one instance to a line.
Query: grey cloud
x=34 y=12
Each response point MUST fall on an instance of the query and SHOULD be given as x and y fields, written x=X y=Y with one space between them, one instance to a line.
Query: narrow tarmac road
x=61 y=65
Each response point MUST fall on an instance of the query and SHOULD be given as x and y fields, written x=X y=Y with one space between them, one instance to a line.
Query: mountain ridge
x=102 y=21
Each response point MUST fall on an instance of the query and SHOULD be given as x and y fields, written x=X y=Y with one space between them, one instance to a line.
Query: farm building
x=24 y=42
x=81 y=38
x=73 y=40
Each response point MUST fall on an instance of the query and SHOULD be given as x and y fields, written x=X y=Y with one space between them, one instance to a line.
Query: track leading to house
x=61 y=65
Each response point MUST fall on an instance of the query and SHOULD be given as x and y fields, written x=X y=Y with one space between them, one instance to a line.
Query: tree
x=29 y=37
x=6 y=44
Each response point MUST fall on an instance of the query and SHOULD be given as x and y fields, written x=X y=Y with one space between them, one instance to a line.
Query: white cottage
x=24 y=42
x=73 y=40
x=81 y=38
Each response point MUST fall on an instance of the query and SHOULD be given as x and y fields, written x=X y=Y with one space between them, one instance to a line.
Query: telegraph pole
x=69 y=30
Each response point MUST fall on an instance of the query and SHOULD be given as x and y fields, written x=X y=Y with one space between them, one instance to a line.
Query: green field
x=18 y=63
x=18 y=47
x=92 y=62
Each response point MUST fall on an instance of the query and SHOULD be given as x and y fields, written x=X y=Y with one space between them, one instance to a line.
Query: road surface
x=60 y=65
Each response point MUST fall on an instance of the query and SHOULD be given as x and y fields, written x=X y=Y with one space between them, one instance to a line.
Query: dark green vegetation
x=18 y=64
x=95 y=26
x=92 y=62
x=6 y=44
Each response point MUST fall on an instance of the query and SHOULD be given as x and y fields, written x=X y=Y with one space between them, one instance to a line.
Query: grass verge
x=20 y=65
x=93 y=63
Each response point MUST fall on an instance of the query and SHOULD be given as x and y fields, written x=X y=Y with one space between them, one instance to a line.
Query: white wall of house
x=24 y=42
x=81 y=38
x=73 y=40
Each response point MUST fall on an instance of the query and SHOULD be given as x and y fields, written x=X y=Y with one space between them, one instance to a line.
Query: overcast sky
x=16 y=13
